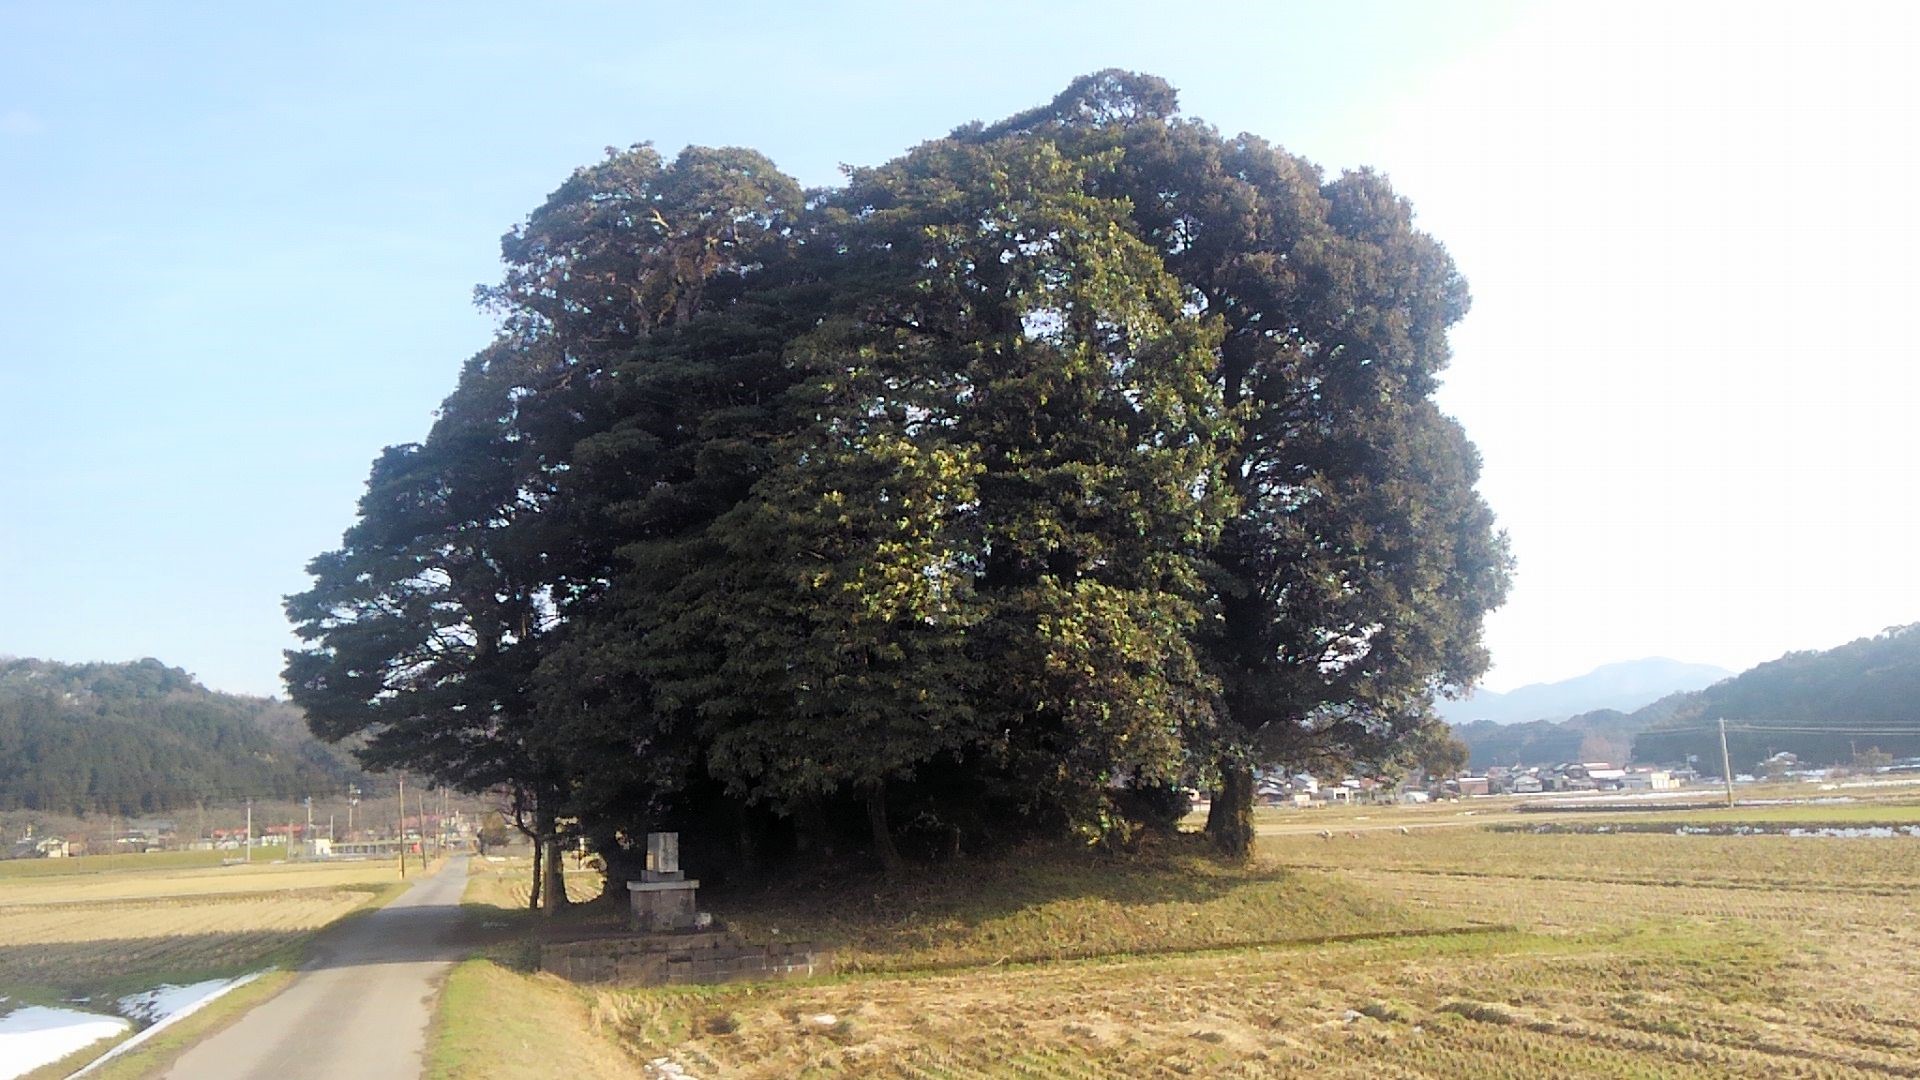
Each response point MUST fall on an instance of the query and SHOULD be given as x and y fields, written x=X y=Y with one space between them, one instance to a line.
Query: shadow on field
x=906 y=910
x=57 y=948
x=137 y=963
x=385 y=936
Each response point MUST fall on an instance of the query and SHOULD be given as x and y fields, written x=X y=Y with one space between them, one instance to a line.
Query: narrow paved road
x=359 y=1007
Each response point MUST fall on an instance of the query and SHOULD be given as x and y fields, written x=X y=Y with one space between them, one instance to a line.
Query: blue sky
x=242 y=242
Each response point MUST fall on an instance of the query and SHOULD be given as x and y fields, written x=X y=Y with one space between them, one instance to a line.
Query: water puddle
x=163 y=1006
x=32 y=1036
x=1837 y=832
x=36 y=1035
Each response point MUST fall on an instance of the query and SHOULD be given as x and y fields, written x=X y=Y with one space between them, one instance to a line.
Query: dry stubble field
x=118 y=925
x=1579 y=955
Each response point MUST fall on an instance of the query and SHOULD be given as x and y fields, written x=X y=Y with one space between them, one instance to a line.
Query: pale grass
x=151 y=1057
x=508 y=883
x=128 y=928
x=62 y=923
x=132 y=883
x=493 y=1022
x=1060 y=906
x=1651 y=956
x=1578 y=956
x=1784 y=803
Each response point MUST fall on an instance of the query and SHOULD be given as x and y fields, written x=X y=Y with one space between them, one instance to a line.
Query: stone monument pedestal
x=662 y=899
x=662 y=905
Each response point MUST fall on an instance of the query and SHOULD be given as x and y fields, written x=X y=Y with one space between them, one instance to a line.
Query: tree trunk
x=553 y=882
x=877 y=820
x=1230 y=819
x=533 y=894
x=553 y=890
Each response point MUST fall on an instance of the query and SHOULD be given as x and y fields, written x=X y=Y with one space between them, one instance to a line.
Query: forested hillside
x=142 y=737
x=1824 y=707
x=1601 y=735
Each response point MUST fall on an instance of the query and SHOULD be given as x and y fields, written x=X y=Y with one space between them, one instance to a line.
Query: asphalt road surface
x=360 y=1005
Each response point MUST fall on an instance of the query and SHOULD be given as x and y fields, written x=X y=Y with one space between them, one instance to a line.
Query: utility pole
x=420 y=800
x=353 y=800
x=248 y=845
x=1726 y=765
x=306 y=838
x=402 y=830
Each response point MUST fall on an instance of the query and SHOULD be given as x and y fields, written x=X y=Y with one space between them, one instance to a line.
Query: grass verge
x=495 y=1023
x=497 y=1017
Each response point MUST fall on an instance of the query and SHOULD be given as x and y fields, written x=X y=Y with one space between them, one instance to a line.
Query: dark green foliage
x=1871 y=683
x=1433 y=749
x=1053 y=460
x=143 y=737
x=1352 y=580
x=1159 y=807
x=492 y=832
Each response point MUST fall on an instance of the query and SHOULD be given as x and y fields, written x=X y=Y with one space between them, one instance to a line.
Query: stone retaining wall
x=712 y=956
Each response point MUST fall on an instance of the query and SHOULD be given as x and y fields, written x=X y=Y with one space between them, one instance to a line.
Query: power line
x=1811 y=729
x=1789 y=729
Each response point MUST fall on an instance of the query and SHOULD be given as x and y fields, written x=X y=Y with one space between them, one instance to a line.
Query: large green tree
x=1062 y=359
x=965 y=528
x=1351 y=583
x=1083 y=450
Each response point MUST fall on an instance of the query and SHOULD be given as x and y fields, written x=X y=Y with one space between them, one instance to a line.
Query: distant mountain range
x=1623 y=687
x=1823 y=706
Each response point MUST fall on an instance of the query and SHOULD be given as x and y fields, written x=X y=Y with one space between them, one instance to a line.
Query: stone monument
x=662 y=899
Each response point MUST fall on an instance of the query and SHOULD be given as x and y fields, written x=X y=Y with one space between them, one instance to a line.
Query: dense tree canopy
x=1351 y=582
x=1084 y=452
x=143 y=737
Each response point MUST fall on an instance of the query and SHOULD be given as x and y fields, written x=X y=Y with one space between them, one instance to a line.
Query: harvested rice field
x=1434 y=952
x=97 y=931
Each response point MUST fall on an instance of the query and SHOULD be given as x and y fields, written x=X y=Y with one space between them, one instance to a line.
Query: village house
x=1471 y=785
x=1649 y=780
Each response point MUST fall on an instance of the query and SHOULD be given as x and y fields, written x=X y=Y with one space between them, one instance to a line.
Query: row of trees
x=1050 y=465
